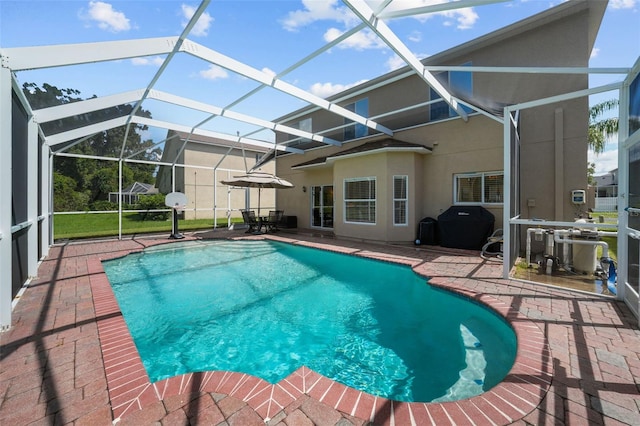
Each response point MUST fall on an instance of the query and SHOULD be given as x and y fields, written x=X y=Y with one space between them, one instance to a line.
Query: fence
x=606 y=204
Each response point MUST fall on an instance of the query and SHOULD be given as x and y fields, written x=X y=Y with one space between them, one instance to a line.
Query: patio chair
x=250 y=219
x=275 y=217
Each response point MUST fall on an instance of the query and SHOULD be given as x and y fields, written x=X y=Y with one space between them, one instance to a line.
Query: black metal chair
x=250 y=219
x=274 y=219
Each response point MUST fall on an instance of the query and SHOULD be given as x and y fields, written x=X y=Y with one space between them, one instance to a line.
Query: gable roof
x=368 y=148
x=207 y=140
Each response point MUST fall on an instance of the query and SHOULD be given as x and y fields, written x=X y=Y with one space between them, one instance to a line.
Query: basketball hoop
x=177 y=201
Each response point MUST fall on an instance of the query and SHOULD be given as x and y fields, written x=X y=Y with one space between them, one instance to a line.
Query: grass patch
x=86 y=225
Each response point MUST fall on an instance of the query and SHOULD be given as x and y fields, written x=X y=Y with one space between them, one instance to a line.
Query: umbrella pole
x=259 y=189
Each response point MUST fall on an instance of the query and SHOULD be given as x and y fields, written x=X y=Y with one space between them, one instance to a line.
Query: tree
x=93 y=179
x=591 y=171
x=601 y=128
x=66 y=197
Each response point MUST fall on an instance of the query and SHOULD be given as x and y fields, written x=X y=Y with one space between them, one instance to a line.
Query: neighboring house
x=132 y=193
x=607 y=184
x=210 y=161
x=377 y=187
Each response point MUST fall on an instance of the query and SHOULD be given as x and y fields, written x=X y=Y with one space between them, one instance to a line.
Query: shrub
x=65 y=196
x=103 y=205
x=152 y=202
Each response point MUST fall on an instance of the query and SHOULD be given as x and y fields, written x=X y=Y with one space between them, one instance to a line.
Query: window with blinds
x=400 y=200
x=479 y=188
x=360 y=200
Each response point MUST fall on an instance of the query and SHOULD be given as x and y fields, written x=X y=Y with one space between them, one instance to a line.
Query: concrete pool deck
x=69 y=359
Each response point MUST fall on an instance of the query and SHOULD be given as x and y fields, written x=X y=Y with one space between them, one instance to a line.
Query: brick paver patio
x=68 y=359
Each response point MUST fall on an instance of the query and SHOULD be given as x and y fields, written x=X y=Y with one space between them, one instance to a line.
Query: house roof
x=368 y=148
x=139 y=188
x=556 y=13
x=207 y=140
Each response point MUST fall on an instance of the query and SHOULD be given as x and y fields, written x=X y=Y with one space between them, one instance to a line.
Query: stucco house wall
x=199 y=182
x=552 y=146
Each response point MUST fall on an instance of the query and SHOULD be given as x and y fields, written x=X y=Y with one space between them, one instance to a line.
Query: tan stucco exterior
x=199 y=182
x=551 y=153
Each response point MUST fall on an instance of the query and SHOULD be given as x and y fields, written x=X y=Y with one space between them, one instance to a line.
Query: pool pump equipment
x=573 y=250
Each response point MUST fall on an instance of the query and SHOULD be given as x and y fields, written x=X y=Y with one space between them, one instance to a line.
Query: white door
x=629 y=218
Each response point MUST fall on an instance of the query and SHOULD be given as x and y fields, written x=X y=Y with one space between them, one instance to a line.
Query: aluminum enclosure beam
x=36 y=57
x=224 y=112
x=176 y=48
x=211 y=134
x=440 y=7
x=94 y=104
x=6 y=147
x=267 y=79
x=121 y=121
x=26 y=58
x=366 y=14
x=70 y=135
x=342 y=37
x=58 y=112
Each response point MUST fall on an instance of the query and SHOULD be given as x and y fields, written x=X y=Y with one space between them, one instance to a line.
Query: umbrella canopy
x=258 y=180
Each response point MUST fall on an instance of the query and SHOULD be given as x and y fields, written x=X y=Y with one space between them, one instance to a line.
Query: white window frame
x=482 y=176
x=345 y=201
x=404 y=200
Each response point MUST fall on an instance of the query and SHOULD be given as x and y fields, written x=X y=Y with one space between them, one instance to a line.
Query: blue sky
x=270 y=36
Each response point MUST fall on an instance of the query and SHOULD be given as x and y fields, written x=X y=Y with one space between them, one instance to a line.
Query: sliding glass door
x=322 y=206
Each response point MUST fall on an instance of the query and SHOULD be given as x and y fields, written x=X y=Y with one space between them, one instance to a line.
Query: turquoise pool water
x=267 y=308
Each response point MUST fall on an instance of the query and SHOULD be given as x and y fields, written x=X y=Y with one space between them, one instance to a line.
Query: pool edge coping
x=130 y=390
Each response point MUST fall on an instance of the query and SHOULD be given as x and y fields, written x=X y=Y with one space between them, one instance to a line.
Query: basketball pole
x=175 y=233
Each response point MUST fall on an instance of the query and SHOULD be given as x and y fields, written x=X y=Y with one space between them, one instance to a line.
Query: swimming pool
x=266 y=308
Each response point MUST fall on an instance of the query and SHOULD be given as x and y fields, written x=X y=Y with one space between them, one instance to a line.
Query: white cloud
x=214 y=72
x=324 y=90
x=623 y=4
x=106 y=17
x=395 y=61
x=362 y=40
x=415 y=37
x=317 y=11
x=330 y=10
x=606 y=161
x=594 y=52
x=155 y=61
x=201 y=28
x=465 y=18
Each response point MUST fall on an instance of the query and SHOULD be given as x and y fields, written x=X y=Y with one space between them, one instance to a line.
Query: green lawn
x=85 y=225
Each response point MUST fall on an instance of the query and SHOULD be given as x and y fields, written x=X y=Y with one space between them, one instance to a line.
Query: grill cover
x=465 y=227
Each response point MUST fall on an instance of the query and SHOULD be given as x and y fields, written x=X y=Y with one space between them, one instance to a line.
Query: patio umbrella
x=258 y=180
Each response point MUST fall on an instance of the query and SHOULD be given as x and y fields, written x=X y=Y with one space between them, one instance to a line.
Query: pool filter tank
x=584 y=257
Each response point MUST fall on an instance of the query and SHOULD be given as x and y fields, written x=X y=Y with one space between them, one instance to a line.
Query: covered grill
x=465 y=227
